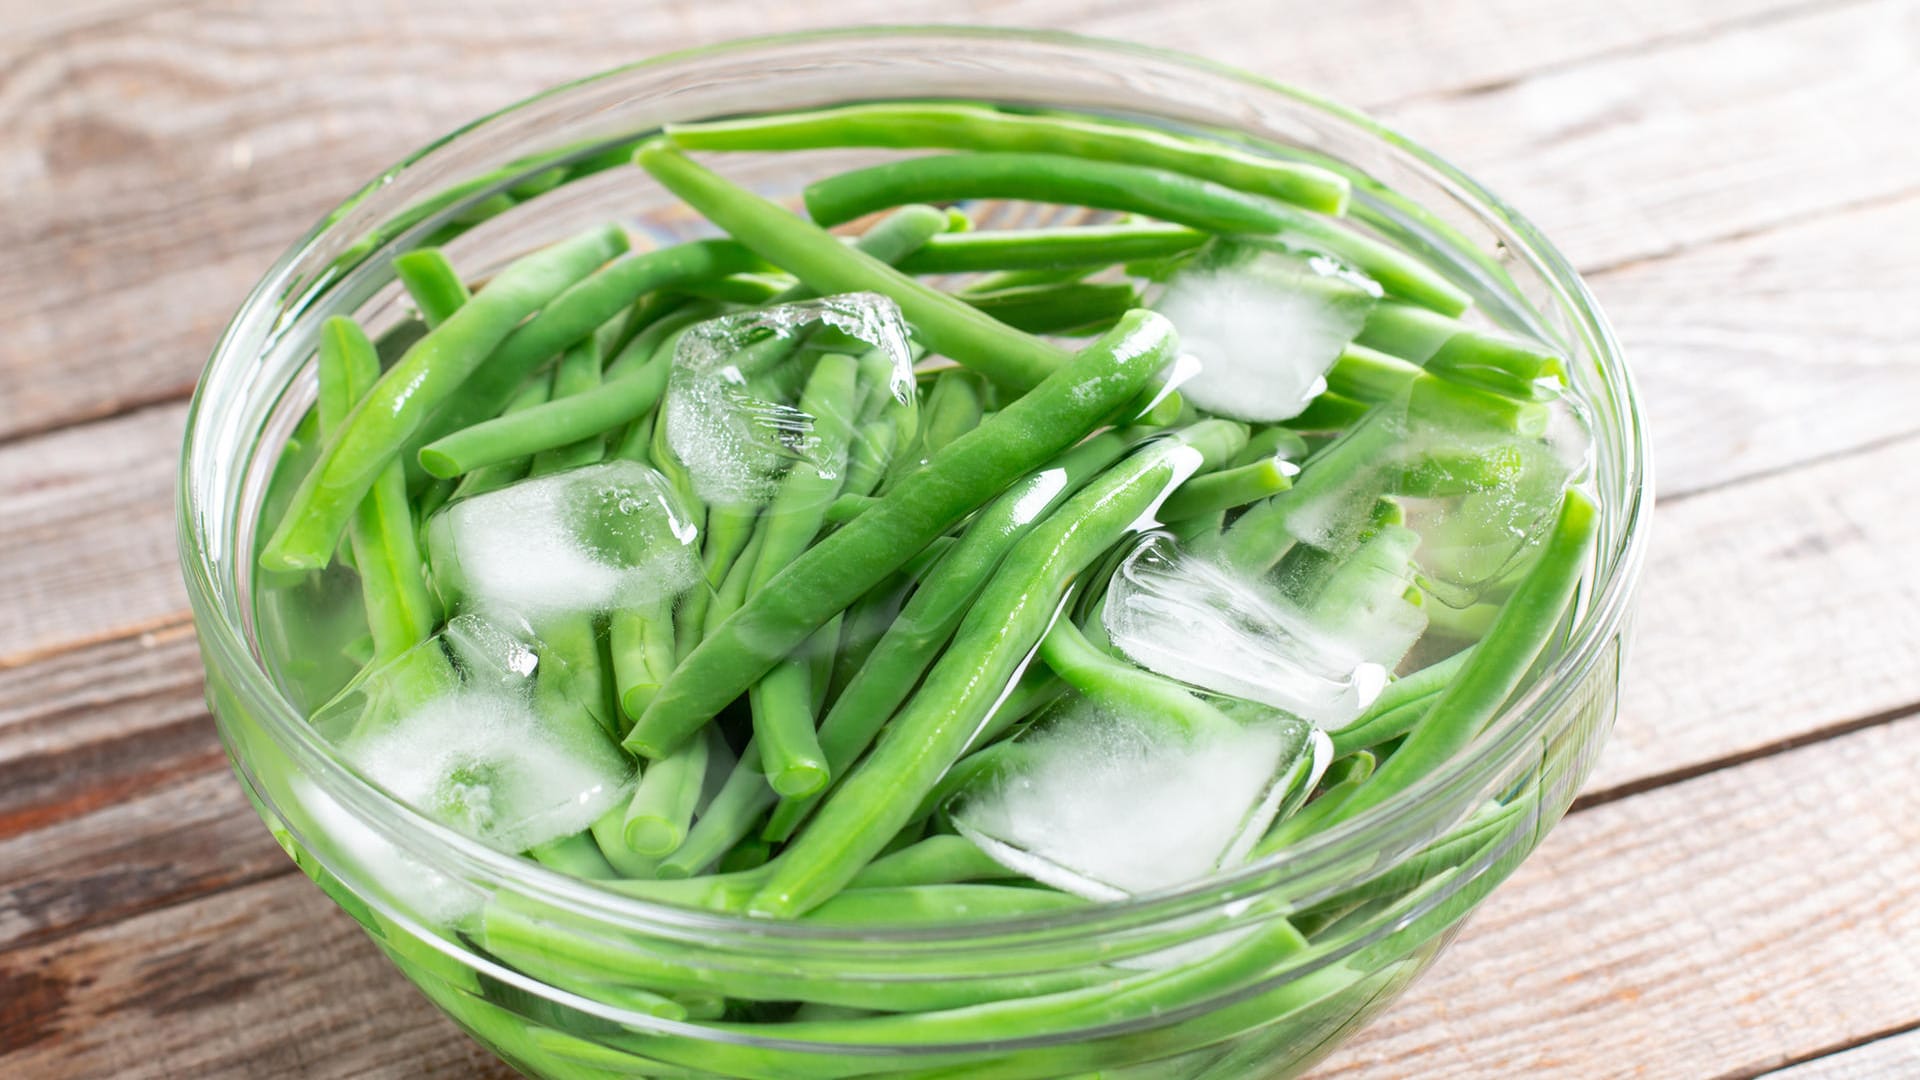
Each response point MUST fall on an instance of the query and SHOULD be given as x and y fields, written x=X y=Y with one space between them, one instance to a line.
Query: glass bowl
x=1234 y=998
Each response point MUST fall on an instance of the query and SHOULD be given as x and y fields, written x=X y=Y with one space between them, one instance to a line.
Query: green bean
x=1488 y=677
x=514 y=928
x=954 y=407
x=1168 y=196
x=727 y=820
x=783 y=726
x=577 y=312
x=924 y=905
x=576 y=855
x=609 y=833
x=1038 y=688
x=1342 y=779
x=1127 y=998
x=1441 y=344
x=555 y=424
x=431 y=281
x=1007 y=620
x=401 y=612
x=867 y=463
x=577 y=373
x=940 y=603
x=1124 y=688
x=1399 y=706
x=1084 y=247
x=972 y=127
x=1072 y=307
x=945 y=324
x=1330 y=412
x=1228 y=488
x=372 y=435
x=852 y=559
x=1273 y=442
x=662 y=805
x=752 y=290
x=937 y=860
x=496 y=476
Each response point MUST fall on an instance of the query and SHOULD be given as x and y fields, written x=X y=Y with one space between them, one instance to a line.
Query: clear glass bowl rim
x=223 y=639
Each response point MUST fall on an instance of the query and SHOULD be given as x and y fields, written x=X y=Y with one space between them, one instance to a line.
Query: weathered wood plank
x=1762 y=352
x=163 y=160
x=1692 y=903
x=86 y=520
x=179 y=839
x=267 y=980
x=1760 y=913
x=1893 y=1056
x=1670 y=147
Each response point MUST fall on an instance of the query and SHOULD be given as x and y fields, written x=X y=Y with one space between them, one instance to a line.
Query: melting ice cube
x=469 y=729
x=1266 y=324
x=730 y=409
x=1209 y=625
x=581 y=541
x=1478 y=497
x=1105 y=805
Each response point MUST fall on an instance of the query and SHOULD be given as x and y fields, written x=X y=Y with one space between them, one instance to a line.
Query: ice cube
x=730 y=408
x=1478 y=496
x=1506 y=489
x=457 y=728
x=1265 y=324
x=1105 y=805
x=582 y=541
x=1194 y=619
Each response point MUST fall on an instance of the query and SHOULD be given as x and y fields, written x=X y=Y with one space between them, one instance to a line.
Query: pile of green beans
x=873 y=632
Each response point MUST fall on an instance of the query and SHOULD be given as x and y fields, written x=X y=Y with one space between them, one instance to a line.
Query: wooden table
x=1737 y=892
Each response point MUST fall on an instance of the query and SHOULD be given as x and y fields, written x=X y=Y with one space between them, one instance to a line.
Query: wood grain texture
x=163 y=160
x=1717 y=927
x=1670 y=147
x=1764 y=352
x=86 y=517
x=268 y=980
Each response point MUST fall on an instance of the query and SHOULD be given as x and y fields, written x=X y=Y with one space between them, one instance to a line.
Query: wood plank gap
x=1886 y=442
x=1657 y=43
x=1823 y=1052
x=1734 y=236
x=112 y=409
x=163 y=628
x=1590 y=799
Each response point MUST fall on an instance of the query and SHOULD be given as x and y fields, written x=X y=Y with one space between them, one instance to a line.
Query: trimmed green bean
x=555 y=424
x=577 y=374
x=1084 y=247
x=401 y=611
x=661 y=809
x=1071 y=307
x=945 y=324
x=1228 y=488
x=1167 y=196
x=973 y=127
x=431 y=281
